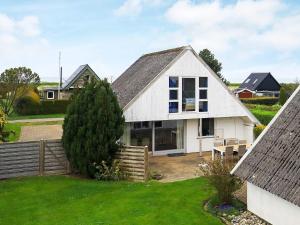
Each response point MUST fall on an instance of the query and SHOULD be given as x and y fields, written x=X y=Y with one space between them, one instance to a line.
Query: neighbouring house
x=174 y=103
x=272 y=168
x=82 y=75
x=258 y=84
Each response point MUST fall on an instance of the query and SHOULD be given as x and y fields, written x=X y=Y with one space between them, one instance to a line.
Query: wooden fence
x=32 y=158
x=47 y=157
x=134 y=162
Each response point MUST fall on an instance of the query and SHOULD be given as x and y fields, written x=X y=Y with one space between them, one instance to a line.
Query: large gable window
x=173 y=94
x=203 y=99
x=188 y=94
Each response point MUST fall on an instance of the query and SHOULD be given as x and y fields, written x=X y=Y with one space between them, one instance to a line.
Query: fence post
x=146 y=163
x=42 y=157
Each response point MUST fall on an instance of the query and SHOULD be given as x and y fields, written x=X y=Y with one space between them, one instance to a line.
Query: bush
x=260 y=100
x=106 y=172
x=218 y=173
x=4 y=135
x=93 y=124
x=272 y=108
x=27 y=106
x=258 y=129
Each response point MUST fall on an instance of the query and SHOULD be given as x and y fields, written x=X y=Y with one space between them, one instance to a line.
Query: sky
x=109 y=35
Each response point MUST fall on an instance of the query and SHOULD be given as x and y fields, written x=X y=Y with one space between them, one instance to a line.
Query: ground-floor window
x=50 y=94
x=206 y=127
x=164 y=135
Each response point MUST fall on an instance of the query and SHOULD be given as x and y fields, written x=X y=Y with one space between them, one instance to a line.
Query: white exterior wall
x=153 y=103
x=271 y=208
x=224 y=128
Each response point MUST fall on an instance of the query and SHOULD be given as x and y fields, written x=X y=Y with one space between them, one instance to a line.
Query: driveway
x=38 y=132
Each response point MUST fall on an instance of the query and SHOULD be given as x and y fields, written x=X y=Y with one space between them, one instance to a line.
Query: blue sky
x=246 y=36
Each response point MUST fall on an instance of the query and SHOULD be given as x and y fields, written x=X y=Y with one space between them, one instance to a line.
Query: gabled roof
x=141 y=73
x=76 y=74
x=253 y=81
x=273 y=163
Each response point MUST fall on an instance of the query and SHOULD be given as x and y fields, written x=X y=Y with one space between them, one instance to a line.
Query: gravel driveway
x=38 y=132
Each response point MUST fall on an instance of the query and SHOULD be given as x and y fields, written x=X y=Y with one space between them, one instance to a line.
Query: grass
x=64 y=200
x=264 y=113
x=14 y=127
x=16 y=117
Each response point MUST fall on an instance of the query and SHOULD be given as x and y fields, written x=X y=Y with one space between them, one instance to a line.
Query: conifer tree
x=93 y=124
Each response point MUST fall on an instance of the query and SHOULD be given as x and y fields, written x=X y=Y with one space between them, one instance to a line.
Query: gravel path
x=36 y=120
x=38 y=132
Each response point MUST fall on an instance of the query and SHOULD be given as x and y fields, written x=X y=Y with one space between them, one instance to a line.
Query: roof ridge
x=167 y=50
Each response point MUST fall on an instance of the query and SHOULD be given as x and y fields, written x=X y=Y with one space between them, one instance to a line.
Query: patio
x=174 y=168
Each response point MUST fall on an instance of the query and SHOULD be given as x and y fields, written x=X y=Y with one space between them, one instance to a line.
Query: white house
x=272 y=168
x=174 y=103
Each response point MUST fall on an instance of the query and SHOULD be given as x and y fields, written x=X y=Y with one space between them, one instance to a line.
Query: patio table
x=221 y=149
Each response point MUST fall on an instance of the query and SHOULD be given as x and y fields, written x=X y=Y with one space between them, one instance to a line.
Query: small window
x=173 y=107
x=203 y=94
x=173 y=94
x=173 y=82
x=158 y=124
x=203 y=82
x=255 y=81
x=137 y=125
x=145 y=124
x=50 y=94
x=247 y=81
x=208 y=127
x=203 y=106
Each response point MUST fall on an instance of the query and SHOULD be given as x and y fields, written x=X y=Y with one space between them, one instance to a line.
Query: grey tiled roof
x=254 y=80
x=274 y=162
x=141 y=73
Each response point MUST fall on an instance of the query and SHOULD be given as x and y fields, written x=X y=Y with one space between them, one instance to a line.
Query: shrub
x=283 y=96
x=4 y=135
x=272 y=108
x=260 y=100
x=93 y=124
x=112 y=172
x=26 y=106
x=258 y=129
x=219 y=176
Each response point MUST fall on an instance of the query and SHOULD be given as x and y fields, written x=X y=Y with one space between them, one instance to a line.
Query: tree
x=213 y=63
x=93 y=124
x=14 y=83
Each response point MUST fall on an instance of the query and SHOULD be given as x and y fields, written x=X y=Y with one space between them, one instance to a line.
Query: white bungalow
x=174 y=103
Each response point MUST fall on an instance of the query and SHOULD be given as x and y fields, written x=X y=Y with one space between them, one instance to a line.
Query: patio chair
x=242 y=142
x=229 y=154
x=231 y=141
x=241 y=151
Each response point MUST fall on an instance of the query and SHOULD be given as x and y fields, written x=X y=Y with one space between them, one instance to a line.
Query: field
x=263 y=113
x=64 y=200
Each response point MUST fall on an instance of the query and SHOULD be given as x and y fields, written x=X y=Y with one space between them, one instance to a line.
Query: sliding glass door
x=168 y=135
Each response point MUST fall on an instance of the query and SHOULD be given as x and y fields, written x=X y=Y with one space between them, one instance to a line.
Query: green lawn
x=64 y=200
x=263 y=113
x=16 y=128
x=16 y=117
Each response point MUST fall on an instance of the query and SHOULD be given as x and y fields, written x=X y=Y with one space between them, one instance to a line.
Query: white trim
x=52 y=93
x=265 y=130
x=244 y=89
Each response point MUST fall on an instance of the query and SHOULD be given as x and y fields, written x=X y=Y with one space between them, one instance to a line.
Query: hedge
x=260 y=100
x=263 y=116
x=27 y=106
x=258 y=129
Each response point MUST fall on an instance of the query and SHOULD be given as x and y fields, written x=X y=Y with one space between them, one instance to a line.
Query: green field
x=263 y=113
x=64 y=200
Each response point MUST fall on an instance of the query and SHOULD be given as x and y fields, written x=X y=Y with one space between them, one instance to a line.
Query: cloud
x=134 y=7
x=29 y=26
x=246 y=24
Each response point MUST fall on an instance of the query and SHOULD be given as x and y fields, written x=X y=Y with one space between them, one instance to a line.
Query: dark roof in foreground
x=254 y=80
x=141 y=73
x=274 y=162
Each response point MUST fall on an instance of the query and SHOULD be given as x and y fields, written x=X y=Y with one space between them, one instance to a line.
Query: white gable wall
x=270 y=207
x=153 y=103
